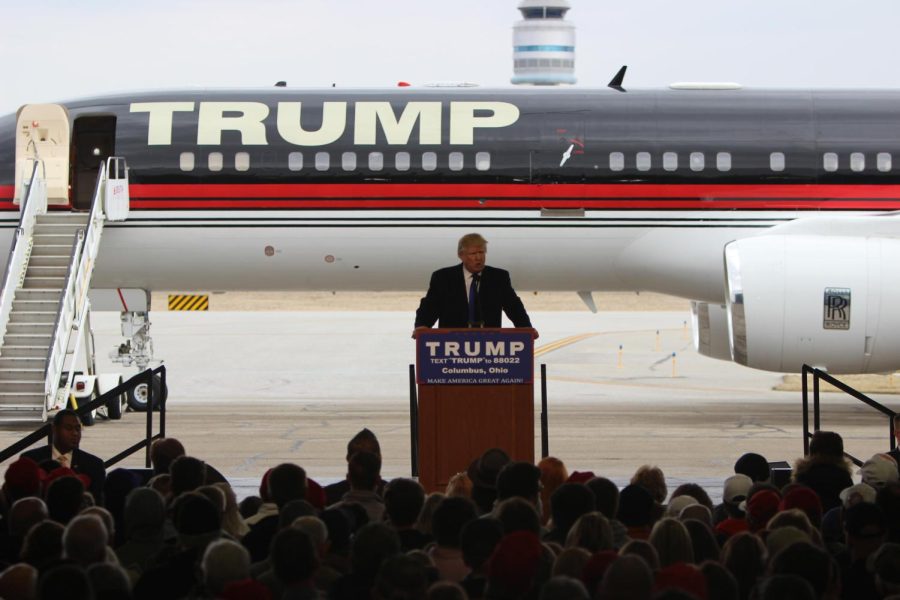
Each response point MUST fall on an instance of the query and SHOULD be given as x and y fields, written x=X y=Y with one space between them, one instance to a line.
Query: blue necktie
x=473 y=290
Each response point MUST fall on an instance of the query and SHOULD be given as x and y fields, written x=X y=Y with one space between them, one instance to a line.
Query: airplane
x=774 y=211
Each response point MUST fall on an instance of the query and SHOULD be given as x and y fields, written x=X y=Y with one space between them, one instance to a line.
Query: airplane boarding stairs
x=44 y=301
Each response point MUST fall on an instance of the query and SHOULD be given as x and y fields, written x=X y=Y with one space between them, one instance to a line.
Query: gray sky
x=52 y=50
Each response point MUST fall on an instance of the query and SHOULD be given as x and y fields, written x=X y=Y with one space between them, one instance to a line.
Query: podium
x=475 y=392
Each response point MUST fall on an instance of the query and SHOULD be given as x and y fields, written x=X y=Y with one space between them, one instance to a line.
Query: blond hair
x=469 y=240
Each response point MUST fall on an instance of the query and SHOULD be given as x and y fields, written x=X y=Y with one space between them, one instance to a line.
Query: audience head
x=754 y=466
x=703 y=541
x=514 y=565
x=294 y=510
x=287 y=482
x=806 y=500
x=483 y=473
x=187 y=473
x=827 y=444
x=643 y=549
x=879 y=471
x=459 y=485
x=374 y=543
x=672 y=542
x=163 y=452
x=449 y=518
x=519 y=479
x=606 y=496
x=628 y=578
x=635 y=506
x=196 y=520
x=364 y=441
x=399 y=577
x=553 y=475
x=18 y=582
x=568 y=503
x=145 y=514
x=683 y=577
x=809 y=562
x=744 y=555
x=65 y=498
x=478 y=540
x=696 y=492
x=364 y=470
x=562 y=587
x=403 y=501
x=43 y=544
x=22 y=478
x=224 y=561
x=24 y=514
x=65 y=581
x=108 y=581
x=761 y=507
x=651 y=478
x=592 y=532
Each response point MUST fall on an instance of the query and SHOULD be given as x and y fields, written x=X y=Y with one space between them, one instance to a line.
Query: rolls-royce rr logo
x=837 y=308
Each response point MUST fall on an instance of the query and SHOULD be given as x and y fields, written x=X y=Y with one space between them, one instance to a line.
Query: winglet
x=616 y=82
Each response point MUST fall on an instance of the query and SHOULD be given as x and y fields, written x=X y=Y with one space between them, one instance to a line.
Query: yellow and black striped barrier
x=188 y=302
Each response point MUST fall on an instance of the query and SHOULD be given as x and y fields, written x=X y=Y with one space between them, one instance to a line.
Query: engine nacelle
x=828 y=301
x=710 y=327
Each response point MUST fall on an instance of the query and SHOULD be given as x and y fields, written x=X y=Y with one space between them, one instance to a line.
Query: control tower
x=543 y=44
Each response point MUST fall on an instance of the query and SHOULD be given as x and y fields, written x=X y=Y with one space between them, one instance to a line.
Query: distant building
x=543 y=44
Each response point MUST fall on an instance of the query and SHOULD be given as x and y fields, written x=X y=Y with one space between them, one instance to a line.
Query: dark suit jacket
x=83 y=463
x=447 y=303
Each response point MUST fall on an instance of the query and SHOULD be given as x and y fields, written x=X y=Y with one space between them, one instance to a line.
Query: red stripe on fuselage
x=399 y=196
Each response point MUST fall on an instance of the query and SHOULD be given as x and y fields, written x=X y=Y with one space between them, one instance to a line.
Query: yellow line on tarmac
x=572 y=339
x=567 y=341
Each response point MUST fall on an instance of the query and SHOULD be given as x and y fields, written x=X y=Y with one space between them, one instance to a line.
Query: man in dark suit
x=471 y=294
x=66 y=436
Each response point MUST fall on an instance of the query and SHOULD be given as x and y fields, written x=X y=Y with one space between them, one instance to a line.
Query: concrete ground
x=249 y=390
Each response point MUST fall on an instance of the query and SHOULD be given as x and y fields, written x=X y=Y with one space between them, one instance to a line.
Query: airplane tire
x=137 y=397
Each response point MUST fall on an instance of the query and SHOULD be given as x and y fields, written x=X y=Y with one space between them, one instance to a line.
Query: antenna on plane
x=281 y=84
x=616 y=82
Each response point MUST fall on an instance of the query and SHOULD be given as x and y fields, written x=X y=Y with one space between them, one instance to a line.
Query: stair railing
x=74 y=301
x=817 y=410
x=34 y=204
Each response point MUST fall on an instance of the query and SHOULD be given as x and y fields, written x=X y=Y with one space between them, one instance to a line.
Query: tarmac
x=249 y=390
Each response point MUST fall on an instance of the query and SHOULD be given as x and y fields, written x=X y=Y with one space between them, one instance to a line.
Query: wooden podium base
x=457 y=423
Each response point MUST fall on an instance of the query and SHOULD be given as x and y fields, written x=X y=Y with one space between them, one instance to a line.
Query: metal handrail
x=74 y=294
x=820 y=374
x=17 y=252
x=144 y=377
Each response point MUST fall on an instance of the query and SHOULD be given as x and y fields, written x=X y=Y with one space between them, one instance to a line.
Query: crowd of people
x=502 y=529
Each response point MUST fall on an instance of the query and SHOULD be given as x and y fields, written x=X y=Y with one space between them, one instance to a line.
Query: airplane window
x=401 y=161
x=456 y=161
x=429 y=161
x=698 y=161
x=643 y=161
x=857 y=162
x=670 y=161
x=242 y=161
x=295 y=161
x=723 y=161
x=776 y=161
x=186 y=161
x=616 y=161
x=884 y=161
x=323 y=161
x=215 y=161
x=483 y=161
x=348 y=161
x=376 y=161
x=830 y=161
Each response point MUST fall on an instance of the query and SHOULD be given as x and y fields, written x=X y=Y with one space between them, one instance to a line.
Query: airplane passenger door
x=42 y=133
x=93 y=141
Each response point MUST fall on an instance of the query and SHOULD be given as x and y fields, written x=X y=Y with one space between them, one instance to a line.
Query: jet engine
x=832 y=302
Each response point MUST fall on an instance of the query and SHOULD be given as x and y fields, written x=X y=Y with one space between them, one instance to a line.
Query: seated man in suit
x=66 y=436
x=471 y=294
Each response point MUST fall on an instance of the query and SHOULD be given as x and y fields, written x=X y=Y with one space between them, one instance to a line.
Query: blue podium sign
x=475 y=357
